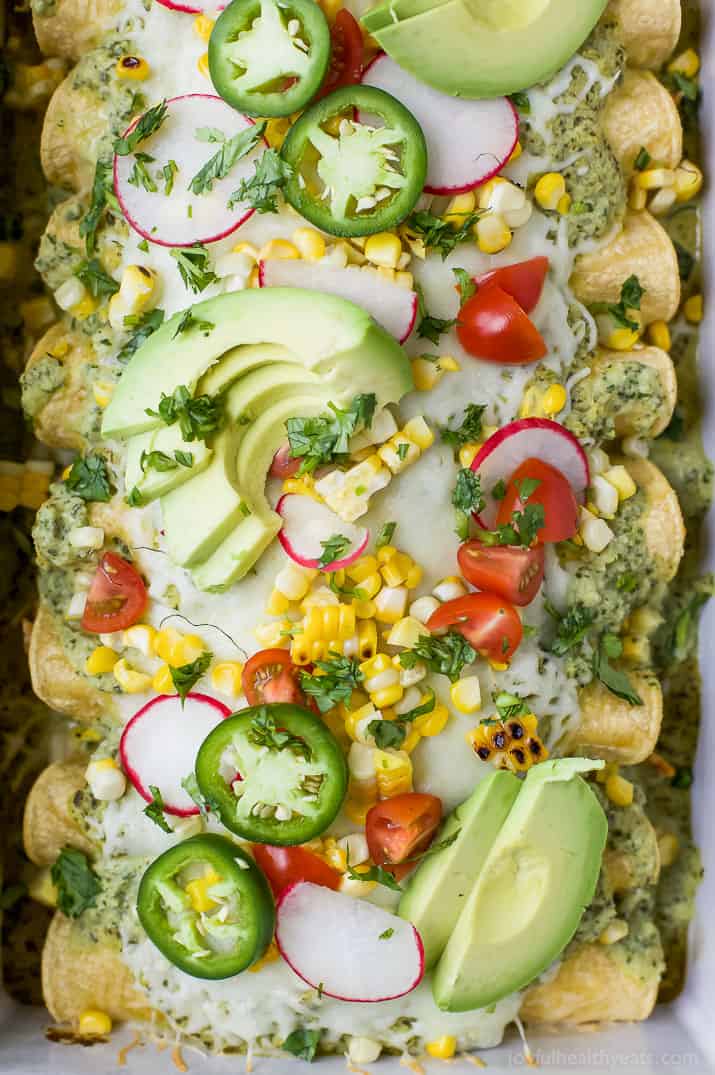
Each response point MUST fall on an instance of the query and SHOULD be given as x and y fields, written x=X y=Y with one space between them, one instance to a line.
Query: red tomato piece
x=270 y=676
x=400 y=829
x=553 y=491
x=346 y=57
x=492 y=326
x=523 y=281
x=283 y=866
x=284 y=465
x=117 y=597
x=514 y=573
x=490 y=624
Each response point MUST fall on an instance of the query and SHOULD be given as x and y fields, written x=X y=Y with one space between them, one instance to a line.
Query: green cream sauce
x=39 y=382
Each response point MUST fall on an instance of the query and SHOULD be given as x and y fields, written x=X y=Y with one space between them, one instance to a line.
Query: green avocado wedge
x=528 y=900
x=482 y=48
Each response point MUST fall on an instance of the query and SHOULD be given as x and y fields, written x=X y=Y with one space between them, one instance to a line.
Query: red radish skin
x=321 y=956
x=176 y=800
x=183 y=8
x=468 y=141
x=295 y=511
x=528 y=438
x=213 y=112
x=394 y=308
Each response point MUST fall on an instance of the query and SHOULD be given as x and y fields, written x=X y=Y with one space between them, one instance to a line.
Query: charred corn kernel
x=197 y=891
x=203 y=26
x=294 y=581
x=395 y=571
x=619 y=790
x=131 y=681
x=563 y=204
x=668 y=847
x=102 y=392
x=516 y=153
x=466 y=694
x=554 y=399
x=94 y=1023
x=406 y=632
x=133 y=67
x=367 y=639
x=623 y=482
x=549 y=190
x=686 y=63
x=615 y=931
x=431 y=724
x=276 y=130
x=274 y=634
x=622 y=339
x=693 y=309
x=492 y=233
x=84 y=309
x=279 y=249
x=654 y=178
x=459 y=208
x=390 y=604
x=426 y=373
x=637 y=198
x=203 y=65
x=383 y=249
x=135 y=291
x=467 y=453
x=366 y=565
x=442 y=1048
x=393 y=773
x=310 y=243
x=226 y=677
x=162 y=682
x=186 y=650
x=277 y=603
x=449 y=588
x=419 y=433
x=688 y=181
x=102 y=659
x=659 y=335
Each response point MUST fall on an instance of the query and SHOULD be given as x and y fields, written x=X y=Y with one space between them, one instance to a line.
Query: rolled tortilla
x=60 y=422
x=74 y=26
x=649 y=28
x=55 y=680
x=641 y=114
x=642 y=248
x=48 y=823
x=663 y=520
x=76 y=121
x=631 y=415
x=612 y=729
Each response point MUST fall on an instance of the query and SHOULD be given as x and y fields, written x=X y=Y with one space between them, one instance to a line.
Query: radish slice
x=352 y=949
x=182 y=218
x=468 y=142
x=528 y=438
x=392 y=306
x=307 y=523
x=189 y=9
x=160 y=743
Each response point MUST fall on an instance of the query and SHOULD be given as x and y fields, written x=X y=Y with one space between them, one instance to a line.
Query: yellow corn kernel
x=271 y=955
x=94 y=1023
x=637 y=198
x=549 y=190
x=449 y=363
x=131 y=681
x=394 y=572
x=102 y=392
x=367 y=639
x=393 y=773
x=133 y=67
x=467 y=453
x=419 y=433
x=136 y=289
x=668 y=847
x=370 y=586
x=277 y=603
x=203 y=65
x=276 y=130
x=405 y=279
x=144 y=637
x=375 y=664
x=622 y=339
x=426 y=374
x=414 y=576
x=331 y=8
x=162 y=682
x=615 y=931
x=226 y=677
x=659 y=335
x=654 y=178
x=364 y=608
x=623 y=482
x=197 y=891
x=492 y=233
x=390 y=604
x=85 y=308
x=405 y=632
x=294 y=581
x=310 y=243
x=516 y=153
x=693 y=309
x=442 y=1048
x=688 y=181
x=644 y=621
x=101 y=660
x=385 y=553
x=274 y=634
x=280 y=249
x=636 y=649
x=459 y=208
x=186 y=650
x=357 y=812
x=303 y=486
x=356 y=716
x=554 y=399
x=384 y=249
x=686 y=63
x=499 y=666
x=466 y=694
x=564 y=204
x=366 y=565
x=431 y=724
x=203 y=26
x=619 y=790
x=246 y=248
x=387 y=696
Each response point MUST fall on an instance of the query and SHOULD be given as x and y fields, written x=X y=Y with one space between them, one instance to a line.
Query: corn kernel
x=388 y=696
x=450 y=588
x=395 y=571
x=637 y=198
x=162 y=682
x=419 y=432
x=668 y=847
x=274 y=634
x=595 y=533
x=131 y=681
x=405 y=279
x=492 y=233
x=393 y=773
x=564 y=204
x=310 y=243
x=636 y=649
x=102 y=392
x=134 y=295
x=431 y=724
x=655 y=178
x=554 y=399
x=303 y=486
x=370 y=586
x=384 y=249
x=405 y=632
x=186 y=650
x=662 y=201
x=94 y=1023
x=623 y=482
x=203 y=65
x=426 y=374
x=101 y=660
x=294 y=582
x=449 y=363
x=442 y=1048
x=385 y=553
x=277 y=603
x=226 y=677
x=659 y=335
x=398 y=453
x=414 y=577
x=466 y=694
x=85 y=308
x=516 y=153
x=279 y=249
x=459 y=208
x=686 y=63
x=615 y=931
x=364 y=609
x=203 y=26
x=367 y=639
x=246 y=248
x=366 y=565
x=622 y=339
x=693 y=309
x=132 y=67
x=467 y=453
x=549 y=190
x=619 y=790
x=390 y=604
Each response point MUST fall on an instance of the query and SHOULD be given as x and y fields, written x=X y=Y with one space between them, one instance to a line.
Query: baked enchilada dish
x=368 y=550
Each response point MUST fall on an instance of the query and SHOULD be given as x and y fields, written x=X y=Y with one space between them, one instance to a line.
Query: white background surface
x=679 y=1037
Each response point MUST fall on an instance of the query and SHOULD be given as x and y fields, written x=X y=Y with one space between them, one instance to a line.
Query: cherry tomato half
x=492 y=326
x=489 y=623
x=523 y=281
x=285 y=865
x=346 y=56
x=284 y=465
x=402 y=828
x=554 y=492
x=514 y=573
x=117 y=596
x=270 y=676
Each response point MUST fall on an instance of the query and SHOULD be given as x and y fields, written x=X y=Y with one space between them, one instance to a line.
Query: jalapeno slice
x=275 y=774
x=269 y=58
x=207 y=907
x=359 y=162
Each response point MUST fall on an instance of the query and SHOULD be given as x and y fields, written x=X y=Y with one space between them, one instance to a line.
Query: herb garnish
x=387 y=532
x=231 y=151
x=467 y=494
x=438 y=234
x=261 y=190
x=101 y=198
x=467 y=287
x=447 y=654
x=155 y=810
x=429 y=327
x=572 y=629
x=99 y=283
x=643 y=159
x=333 y=548
x=89 y=478
x=147 y=125
x=193 y=266
x=140 y=176
x=144 y=325
x=683 y=633
x=188 y=321
x=509 y=705
x=187 y=676
x=392 y=733
x=386 y=934
x=631 y=296
x=198 y=416
x=373 y=873
x=326 y=437
x=76 y=882
x=162 y=462
x=520 y=100
x=610 y=648
x=302 y=1043
x=470 y=429
x=265 y=733
x=339 y=677
x=204 y=802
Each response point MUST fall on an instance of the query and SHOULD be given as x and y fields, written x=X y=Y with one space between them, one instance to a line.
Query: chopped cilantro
x=438 y=234
x=265 y=733
x=102 y=197
x=155 y=810
x=231 y=151
x=467 y=494
x=193 y=266
x=469 y=430
x=467 y=287
x=187 y=676
x=572 y=629
x=326 y=437
x=188 y=321
x=615 y=680
x=144 y=326
x=147 y=125
x=447 y=654
x=339 y=677
x=387 y=532
x=76 y=882
x=89 y=478
x=99 y=283
x=197 y=416
x=302 y=1043
x=643 y=159
x=333 y=549
x=261 y=190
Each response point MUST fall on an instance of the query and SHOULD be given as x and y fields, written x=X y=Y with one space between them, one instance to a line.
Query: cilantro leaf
x=333 y=549
x=76 y=882
x=231 y=151
x=327 y=436
x=387 y=532
x=373 y=873
x=683 y=633
x=102 y=197
x=467 y=287
x=438 y=234
x=144 y=326
x=89 y=478
x=339 y=677
x=261 y=190
x=302 y=1043
x=447 y=654
x=615 y=680
x=140 y=176
x=643 y=159
x=265 y=733
x=147 y=125
x=198 y=416
x=572 y=629
x=99 y=283
x=192 y=789
x=188 y=321
x=509 y=705
x=469 y=430
x=187 y=676
x=193 y=265
x=631 y=296
x=155 y=810
x=467 y=495
x=521 y=101
x=392 y=733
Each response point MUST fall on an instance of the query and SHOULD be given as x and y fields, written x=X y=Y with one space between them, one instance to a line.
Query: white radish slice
x=182 y=218
x=160 y=743
x=352 y=949
x=528 y=438
x=307 y=523
x=468 y=141
x=392 y=306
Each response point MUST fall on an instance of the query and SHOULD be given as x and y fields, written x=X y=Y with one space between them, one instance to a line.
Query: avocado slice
x=440 y=885
x=483 y=48
x=153 y=483
x=538 y=879
x=319 y=332
x=237 y=363
x=237 y=554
